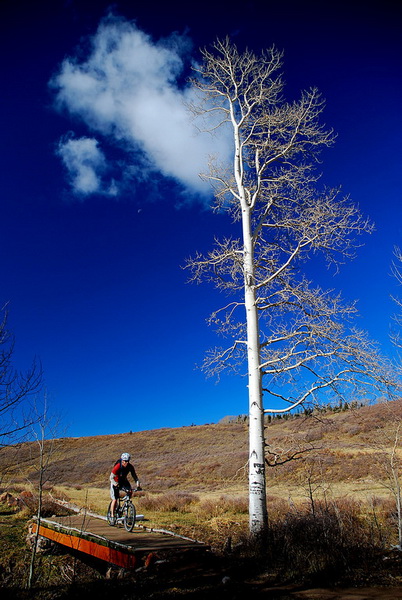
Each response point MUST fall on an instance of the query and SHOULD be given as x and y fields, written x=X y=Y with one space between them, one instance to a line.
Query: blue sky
x=101 y=203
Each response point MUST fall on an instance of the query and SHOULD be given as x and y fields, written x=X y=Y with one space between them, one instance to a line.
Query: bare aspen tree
x=15 y=388
x=387 y=455
x=396 y=337
x=392 y=465
x=388 y=446
x=43 y=433
x=291 y=334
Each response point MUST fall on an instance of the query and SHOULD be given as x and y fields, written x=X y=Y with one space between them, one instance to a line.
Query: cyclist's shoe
x=112 y=520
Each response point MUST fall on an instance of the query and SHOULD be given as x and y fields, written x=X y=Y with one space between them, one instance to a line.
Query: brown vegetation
x=341 y=446
x=331 y=515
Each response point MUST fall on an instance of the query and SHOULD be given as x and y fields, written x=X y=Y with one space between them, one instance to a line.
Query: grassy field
x=332 y=497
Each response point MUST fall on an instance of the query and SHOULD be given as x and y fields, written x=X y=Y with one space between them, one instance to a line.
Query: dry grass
x=330 y=515
x=320 y=540
x=210 y=462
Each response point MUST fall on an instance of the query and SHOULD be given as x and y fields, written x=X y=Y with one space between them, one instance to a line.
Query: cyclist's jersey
x=119 y=474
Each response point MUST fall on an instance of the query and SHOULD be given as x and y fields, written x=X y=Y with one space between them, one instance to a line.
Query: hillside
x=341 y=449
x=331 y=514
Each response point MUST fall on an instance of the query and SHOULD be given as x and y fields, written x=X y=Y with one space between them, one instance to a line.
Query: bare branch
x=15 y=387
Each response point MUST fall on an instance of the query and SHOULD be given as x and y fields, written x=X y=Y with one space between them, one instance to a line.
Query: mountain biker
x=119 y=481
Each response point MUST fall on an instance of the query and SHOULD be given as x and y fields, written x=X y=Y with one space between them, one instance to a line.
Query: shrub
x=223 y=505
x=169 y=502
x=324 y=547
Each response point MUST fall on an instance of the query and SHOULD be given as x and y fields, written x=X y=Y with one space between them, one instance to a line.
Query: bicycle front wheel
x=111 y=520
x=129 y=516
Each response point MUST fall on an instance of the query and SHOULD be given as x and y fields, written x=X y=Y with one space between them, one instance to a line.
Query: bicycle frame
x=121 y=505
x=124 y=513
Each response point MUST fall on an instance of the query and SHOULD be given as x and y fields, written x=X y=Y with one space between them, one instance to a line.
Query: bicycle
x=124 y=513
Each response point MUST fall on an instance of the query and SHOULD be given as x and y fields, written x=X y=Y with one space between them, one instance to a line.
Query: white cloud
x=85 y=163
x=127 y=89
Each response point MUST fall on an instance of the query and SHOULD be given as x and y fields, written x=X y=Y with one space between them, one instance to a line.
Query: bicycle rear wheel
x=129 y=516
x=111 y=520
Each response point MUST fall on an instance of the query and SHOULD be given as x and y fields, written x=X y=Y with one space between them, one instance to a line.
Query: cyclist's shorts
x=116 y=489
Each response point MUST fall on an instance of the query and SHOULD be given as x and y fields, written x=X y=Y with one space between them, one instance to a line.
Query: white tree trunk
x=257 y=487
x=258 y=518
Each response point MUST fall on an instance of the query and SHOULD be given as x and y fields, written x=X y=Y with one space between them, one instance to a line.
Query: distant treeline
x=306 y=411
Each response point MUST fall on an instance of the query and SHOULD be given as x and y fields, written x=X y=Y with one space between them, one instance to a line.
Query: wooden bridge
x=93 y=535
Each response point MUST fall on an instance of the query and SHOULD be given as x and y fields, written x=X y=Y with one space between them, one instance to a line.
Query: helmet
x=125 y=456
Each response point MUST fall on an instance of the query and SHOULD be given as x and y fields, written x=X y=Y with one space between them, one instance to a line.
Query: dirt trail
x=371 y=593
